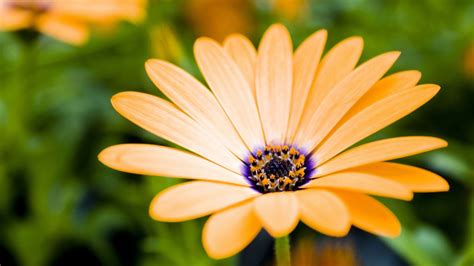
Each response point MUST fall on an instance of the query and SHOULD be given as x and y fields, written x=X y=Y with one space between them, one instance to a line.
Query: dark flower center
x=277 y=168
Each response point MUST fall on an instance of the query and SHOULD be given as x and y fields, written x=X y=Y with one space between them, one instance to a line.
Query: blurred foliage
x=60 y=206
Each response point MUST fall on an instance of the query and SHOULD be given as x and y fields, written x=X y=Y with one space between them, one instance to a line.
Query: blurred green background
x=60 y=206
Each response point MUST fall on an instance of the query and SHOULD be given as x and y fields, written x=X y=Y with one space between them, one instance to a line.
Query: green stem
x=282 y=251
x=467 y=255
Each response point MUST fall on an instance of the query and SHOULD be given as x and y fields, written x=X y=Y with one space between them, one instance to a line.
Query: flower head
x=289 y=9
x=325 y=253
x=268 y=143
x=67 y=21
x=469 y=61
x=217 y=18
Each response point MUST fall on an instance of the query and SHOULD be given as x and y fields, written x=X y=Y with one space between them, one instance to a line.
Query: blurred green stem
x=282 y=251
x=467 y=256
x=22 y=95
x=19 y=100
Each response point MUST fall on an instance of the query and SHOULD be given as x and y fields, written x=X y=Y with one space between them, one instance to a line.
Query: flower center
x=277 y=168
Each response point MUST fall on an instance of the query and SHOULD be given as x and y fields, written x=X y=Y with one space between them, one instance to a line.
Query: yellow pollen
x=300 y=172
x=251 y=159
x=293 y=151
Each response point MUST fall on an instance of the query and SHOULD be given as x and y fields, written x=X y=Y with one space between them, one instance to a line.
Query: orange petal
x=385 y=87
x=369 y=214
x=164 y=120
x=227 y=232
x=14 y=19
x=146 y=159
x=335 y=66
x=323 y=211
x=373 y=118
x=366 y=183
x=64 y=29
x=196 y=199
x=241 y=49
x=306 y=60
x=274 y=82
x=278 y=212
x=342 y=97
x=413 y=178
x=195 y=100
x=103 y=11
x=381 y=150
x=231 y=89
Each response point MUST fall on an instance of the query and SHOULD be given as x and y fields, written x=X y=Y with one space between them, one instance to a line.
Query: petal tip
x=118 y=100
x=152 y=62
x=393 y=55
x=155 y=212
x=276 y=233
x=355 y=40
x=213 y=251
x=233 y=37
x=149 y=61
x=322 y=33
x=444 y=186
x=393 y=234
x=408 y=196
x=436 y=89
x=203 y=41
x=204 y=45
x=279 y=26
x=105 y=156
x=119 y=96
x=413 y=74
x=441 y=143
x=441 y=185
x=416 y=73
x=340 y=231
x=151 y=210
x=277 y=29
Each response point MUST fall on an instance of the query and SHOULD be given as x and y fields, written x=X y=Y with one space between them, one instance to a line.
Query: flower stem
x=282 y=251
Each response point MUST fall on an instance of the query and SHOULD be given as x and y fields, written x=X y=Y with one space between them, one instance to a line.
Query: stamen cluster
x=277 y=168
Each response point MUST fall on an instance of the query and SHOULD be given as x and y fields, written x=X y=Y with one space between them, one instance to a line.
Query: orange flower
x=267 y=142
x=289 y=9
x=65 y=20
x=217 y=18
x=469 y=61
x=327 y=254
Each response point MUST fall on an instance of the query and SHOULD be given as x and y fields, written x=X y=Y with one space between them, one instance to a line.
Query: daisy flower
x=270 y=143
x=67 y=21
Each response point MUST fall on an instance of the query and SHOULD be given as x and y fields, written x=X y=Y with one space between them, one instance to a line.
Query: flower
x=289 y=9
x=217 y=18
x=326 y=253
x=65 y=20
x=268 y=144
x=469 y=61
